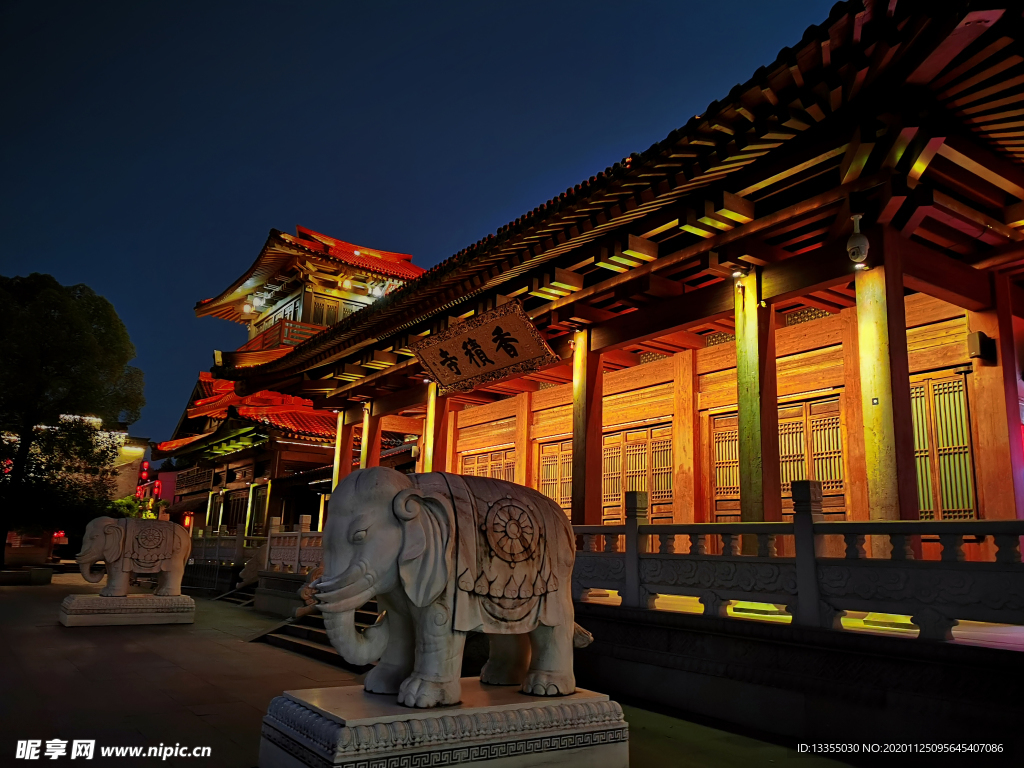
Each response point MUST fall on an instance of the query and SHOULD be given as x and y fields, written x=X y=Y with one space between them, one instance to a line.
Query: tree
x=65 y=352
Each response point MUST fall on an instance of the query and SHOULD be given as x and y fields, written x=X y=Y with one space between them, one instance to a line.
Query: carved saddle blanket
x=147 y=544
x=506 y=553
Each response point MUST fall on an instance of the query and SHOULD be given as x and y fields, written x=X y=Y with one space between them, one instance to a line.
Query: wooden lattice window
x=556 y=472
x=942 y=448
x=500 y=465
x=235 y=509
x=611 y=473
x=637 y=460
x=810 y=448
x=325 y=310
x=726 y=439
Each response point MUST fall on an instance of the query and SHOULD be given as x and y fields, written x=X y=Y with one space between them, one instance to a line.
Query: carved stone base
x=96 y=610
x=494 y=726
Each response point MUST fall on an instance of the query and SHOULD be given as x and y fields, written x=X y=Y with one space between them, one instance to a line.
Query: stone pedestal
x=494 y=726
x=96 y=610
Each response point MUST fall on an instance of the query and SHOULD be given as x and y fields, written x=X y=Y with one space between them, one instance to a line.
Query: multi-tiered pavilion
x=717 y=329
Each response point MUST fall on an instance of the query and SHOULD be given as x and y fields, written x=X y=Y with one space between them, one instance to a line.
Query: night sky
x=147 y=148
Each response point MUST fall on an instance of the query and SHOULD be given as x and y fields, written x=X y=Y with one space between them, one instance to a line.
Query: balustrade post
x=634 y=595
x=239 y=555
x=298 y=550
x=806 y=512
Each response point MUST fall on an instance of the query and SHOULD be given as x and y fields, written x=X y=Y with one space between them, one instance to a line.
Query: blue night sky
x=148 y=147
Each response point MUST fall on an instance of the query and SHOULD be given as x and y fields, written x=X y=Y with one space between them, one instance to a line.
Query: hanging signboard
x=486 y=348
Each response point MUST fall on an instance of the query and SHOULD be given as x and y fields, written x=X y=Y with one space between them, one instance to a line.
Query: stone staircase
x=242 y=597
x=306 y=636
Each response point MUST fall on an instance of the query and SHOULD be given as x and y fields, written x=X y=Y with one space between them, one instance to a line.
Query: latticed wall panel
x=556 y=472
x=810 y=447
x=942 y=449
x=500 y=465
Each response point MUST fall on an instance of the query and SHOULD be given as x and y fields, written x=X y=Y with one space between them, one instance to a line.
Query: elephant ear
x=423 y=561
x=113 y=545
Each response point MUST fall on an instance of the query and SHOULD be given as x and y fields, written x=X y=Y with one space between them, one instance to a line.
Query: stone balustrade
x=295 y=551
x=642 y=561
x=218 y=546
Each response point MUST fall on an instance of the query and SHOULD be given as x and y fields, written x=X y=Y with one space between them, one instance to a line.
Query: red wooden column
x=587 y=393
x=885 y=382
x=996 y=408
x=757 y=405
x=343 y=443
x=445 y=452
x=524 y=450
x=687 y=483
x=369 y=448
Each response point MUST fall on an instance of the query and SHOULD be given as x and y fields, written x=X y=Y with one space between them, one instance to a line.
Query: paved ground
x=205 y=685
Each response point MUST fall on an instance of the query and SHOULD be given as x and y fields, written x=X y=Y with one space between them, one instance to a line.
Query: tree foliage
x=65 y=352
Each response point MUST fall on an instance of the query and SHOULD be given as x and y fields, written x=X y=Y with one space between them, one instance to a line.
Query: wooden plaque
x=490 y=347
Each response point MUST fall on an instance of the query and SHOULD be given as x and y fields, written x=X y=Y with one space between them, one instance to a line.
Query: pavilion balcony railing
x=193 y=479
x=642 y=561
x=283 y=333
x=295 y=551
x=223 y=548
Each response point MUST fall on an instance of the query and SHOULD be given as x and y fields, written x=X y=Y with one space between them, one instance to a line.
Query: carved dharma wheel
x=511 y=531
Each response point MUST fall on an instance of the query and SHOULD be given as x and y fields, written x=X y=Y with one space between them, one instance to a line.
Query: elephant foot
x=385 y=678
x=501 y=673
x=540 y=682
x=418 y=692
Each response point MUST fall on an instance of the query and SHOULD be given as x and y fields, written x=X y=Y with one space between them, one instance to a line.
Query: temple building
x=816 y=278
x=268 y=454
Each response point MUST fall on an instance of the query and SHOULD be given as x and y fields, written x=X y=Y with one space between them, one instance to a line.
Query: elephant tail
x=580 y=637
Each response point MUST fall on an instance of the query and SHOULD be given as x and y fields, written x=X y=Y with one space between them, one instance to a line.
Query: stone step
x=313 y=650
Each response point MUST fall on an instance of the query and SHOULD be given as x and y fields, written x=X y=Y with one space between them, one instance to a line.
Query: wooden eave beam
x=794 y=277
x=938 y=275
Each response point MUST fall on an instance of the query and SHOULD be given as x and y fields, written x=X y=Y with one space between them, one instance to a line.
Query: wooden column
x=996 y=411
x=343 y=444
x=448 y=435
x=687 y=485
x=757 y=405
x=369 y=448
x=885 y=383
x=430 y=428
x=524 y=454
x=856 y=473
x=587 y=393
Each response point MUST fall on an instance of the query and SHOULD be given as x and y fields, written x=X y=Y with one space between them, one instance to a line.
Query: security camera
x=857 y=245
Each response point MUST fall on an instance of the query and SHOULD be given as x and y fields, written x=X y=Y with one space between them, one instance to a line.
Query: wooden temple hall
x=816 y=278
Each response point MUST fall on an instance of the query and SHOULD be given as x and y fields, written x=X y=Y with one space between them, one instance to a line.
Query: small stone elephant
x=132 y=545
x=446 y=555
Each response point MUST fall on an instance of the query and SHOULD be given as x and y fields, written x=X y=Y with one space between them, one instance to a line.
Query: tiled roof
x=281 y=248
x=299 y=422
x=169 y=446
x=382 y=262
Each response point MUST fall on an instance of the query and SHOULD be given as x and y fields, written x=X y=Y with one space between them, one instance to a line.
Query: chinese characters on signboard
x=498 y=344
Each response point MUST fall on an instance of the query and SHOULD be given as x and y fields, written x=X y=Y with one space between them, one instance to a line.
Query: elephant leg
x=396 y=663
x=117 y=582
x=551 y=665
x=508 y=660
x=169 y=582
x=435 y=677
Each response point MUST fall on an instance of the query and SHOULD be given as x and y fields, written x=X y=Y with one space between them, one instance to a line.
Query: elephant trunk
x=356 y=647
x=86 y=568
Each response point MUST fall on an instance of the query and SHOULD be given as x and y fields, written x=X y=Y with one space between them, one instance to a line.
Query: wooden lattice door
x=942 y=448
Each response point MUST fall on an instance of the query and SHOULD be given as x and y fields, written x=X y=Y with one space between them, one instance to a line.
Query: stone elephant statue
x=134 y=545
x=446 y=555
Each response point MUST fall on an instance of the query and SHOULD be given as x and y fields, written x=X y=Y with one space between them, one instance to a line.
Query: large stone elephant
x=132 y=545
x=446 y=555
